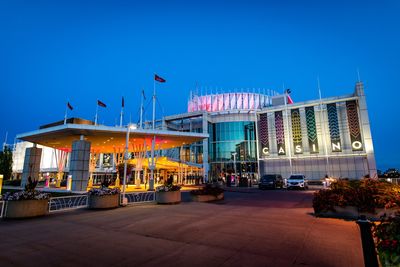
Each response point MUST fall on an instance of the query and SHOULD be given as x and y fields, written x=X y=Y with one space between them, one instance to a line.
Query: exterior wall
x=343 y=144
x=31 y=164
x=47 y=162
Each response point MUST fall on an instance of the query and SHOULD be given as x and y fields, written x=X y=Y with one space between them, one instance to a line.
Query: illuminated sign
x=312 y=135
x=280 y=133
x=263 y=133
x=334 y=127
x=354 y=126
x=296 y=131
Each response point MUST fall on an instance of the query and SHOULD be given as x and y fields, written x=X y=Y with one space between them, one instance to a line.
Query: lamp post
x=126 y=156
x=234 y=164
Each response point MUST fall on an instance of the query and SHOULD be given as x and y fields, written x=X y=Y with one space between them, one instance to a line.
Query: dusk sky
x=81 y=51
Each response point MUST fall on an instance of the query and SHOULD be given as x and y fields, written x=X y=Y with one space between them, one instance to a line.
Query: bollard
x=1 y=182
x=368 y=245
x=69 y=182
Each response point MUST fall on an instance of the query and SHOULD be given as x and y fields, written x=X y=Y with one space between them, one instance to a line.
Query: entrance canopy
x=169 y=164
x=107 y=139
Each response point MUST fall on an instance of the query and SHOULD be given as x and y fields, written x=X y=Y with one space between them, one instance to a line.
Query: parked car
x=271 y=181
x=297 y=181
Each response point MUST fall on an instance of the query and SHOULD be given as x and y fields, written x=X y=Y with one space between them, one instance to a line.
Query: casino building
x=254 y=134
x=246 y=133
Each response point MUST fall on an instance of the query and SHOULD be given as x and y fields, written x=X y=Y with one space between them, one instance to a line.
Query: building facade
x=256 y=134
x=325 y=137
x=252 y=134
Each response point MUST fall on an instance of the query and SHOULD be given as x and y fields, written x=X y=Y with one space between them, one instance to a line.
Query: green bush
x=12 y=183
x=366 y=194
x=387 y=239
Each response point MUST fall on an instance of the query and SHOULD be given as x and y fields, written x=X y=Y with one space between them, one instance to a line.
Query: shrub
x=104 y=190
x=365 y=194
x=209 y=189
x=387 y=239
x=29 y=193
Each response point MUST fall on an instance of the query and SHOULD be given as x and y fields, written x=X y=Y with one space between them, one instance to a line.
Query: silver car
x=297 y=181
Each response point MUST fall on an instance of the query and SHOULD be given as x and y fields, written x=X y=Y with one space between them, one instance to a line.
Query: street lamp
x=234 y=163
x=129 y=127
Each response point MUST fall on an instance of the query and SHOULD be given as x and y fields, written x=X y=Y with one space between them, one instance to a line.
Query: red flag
x=289 y=100
x=159 y=79
x=69 y=106
x=101 y=104
x=123 y=102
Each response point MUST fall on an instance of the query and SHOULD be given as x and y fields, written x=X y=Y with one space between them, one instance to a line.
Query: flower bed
x=27 y=203
x=207 y=194
x=368 y=196
x=103 y=198
x=387 y=240
x=168 y=194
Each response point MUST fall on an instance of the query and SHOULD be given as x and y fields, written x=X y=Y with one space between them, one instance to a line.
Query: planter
x=26 y=208
x=170 y=197
x=103 y=202
x=207 y=198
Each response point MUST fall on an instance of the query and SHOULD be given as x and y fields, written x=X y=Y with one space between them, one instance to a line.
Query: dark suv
x=271 y=181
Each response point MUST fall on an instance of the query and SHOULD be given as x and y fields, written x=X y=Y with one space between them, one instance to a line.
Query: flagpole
x=151 y=182
x=141 y=110
x=288 y=130
x=66 y=114
x=97 y=109
x=154 y=102
x=321 y=117
x=121 y=117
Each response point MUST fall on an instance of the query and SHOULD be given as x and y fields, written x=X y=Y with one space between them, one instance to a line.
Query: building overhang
x=107 y=139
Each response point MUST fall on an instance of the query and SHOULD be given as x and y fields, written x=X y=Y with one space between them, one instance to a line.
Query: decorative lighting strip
x=312 y=135
x=334 y=127
x=296 y=131
x=263 y=133
x=280 y=133
x=354 y=126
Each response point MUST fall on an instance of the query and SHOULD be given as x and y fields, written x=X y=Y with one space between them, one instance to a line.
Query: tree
x=6 y=162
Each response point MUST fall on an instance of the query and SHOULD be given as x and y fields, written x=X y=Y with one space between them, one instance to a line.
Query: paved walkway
x=260 y=228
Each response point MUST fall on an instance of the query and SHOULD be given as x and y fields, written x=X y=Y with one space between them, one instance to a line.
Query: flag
x=123 y=102
x=144 y=97
x=69 y=106
x=159 y=79
x=289 y=100
x=101 y=104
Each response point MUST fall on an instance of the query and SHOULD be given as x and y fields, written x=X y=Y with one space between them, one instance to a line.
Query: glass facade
x=232 y=138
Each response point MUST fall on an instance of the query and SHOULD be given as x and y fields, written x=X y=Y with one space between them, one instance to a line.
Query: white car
x=297 y=181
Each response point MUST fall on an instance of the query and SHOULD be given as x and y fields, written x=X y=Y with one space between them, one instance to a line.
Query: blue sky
x=52 y=51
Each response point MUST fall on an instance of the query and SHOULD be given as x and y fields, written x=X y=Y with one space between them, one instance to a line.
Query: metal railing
x=68 y=203
x=140 y=197
x=2 y=208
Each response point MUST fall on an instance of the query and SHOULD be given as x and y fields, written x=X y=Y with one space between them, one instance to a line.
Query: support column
x=366 y=129
x=79 y=165
x=31 y=164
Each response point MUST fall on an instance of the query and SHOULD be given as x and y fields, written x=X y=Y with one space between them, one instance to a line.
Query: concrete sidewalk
x=243 y=230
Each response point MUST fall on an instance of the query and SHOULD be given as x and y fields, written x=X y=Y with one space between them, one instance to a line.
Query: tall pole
x=121 y=117
x=288 y=130
x=97 y=110
x=125 y=162
x=141 y=110
x=154 y=103
x=66 y=114
x=151 y=182
x=234 y=163
x=321 y=118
